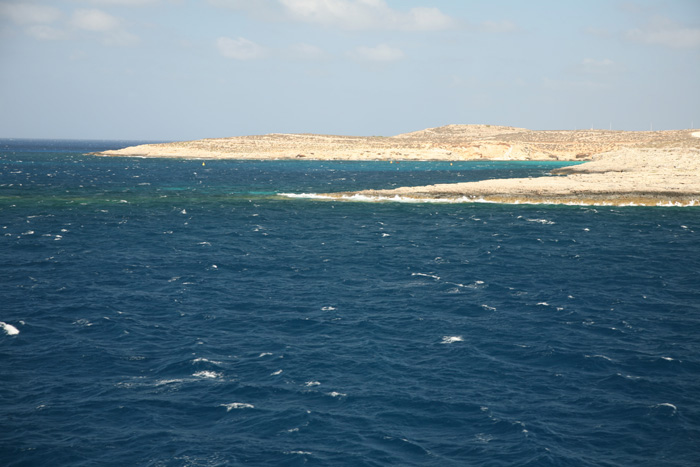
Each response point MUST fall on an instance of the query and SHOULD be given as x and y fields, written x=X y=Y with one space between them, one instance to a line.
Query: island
x=620 y=167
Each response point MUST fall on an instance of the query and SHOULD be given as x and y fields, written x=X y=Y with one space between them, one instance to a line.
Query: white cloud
x=109 y=28
x=380 y=53
x=365 y=14
x=94 y=20
x=23 y=13
x=664 y=32
x=239 y=49
x=48 y=23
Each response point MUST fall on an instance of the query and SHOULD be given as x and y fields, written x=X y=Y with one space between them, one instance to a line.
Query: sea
x=172 y=312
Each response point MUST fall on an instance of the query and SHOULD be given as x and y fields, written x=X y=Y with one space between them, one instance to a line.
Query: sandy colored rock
x=623 y=177
x=451 y=142
x=646 y=167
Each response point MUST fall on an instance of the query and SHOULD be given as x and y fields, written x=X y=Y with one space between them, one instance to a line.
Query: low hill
x=451 y=142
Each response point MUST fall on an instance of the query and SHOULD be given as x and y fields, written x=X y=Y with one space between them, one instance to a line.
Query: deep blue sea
x=180 y=313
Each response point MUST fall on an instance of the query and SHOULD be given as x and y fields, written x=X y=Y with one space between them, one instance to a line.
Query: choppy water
x=169 y=313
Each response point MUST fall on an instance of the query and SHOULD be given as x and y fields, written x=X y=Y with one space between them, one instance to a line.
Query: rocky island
x=621 y=167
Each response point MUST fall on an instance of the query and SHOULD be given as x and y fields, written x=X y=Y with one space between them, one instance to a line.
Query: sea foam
x=9 y=329
x=451 y=339
x=237 y=405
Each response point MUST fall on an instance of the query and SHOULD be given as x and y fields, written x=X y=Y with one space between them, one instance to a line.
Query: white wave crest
x=541 y=221
x=207 y=374
x=237 y=405
x=205 y=360
x=432 y=276
x=666 y=404
x=9 y=329
x=451 y=339
x=599 y=356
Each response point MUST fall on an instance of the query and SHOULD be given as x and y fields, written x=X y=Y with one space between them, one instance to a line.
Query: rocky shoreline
x=646 y=177
x=621 y=167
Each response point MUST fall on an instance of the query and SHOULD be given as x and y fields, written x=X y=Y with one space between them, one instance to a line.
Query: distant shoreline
x=447 y=143
x=621 y=168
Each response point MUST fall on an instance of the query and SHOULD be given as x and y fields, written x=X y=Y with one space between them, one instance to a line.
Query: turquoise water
x=162 y=312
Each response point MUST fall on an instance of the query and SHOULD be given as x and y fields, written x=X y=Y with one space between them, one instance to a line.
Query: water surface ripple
x=170 y=313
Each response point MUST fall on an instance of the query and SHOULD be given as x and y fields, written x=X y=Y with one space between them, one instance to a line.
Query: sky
x=186 y=69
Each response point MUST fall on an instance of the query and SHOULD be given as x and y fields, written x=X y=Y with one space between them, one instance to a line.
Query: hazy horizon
x=165 y=70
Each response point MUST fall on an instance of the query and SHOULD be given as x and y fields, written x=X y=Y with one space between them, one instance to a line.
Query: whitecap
x=337 y=394
x=207 y=374
x=237 y=405
x=302 y=453
x=599 y=356
x=278 y=372
x=312 y=383
x=432 y=276
x=9 y=329
x=264 y=354
x=183 y=211
x=328 y=308
x=451 y=339
x=543 y=304
x=205 y=360
x=541 y=221
x=666 y=404
x=489 y=308
x=304 y=195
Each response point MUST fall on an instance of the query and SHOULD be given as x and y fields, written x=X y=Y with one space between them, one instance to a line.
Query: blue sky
x=186 y=69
